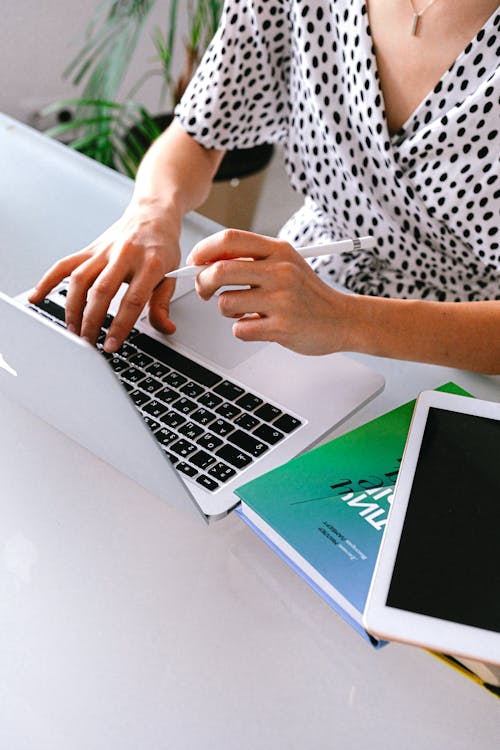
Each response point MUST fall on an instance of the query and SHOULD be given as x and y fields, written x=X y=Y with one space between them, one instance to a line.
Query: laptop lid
x=63 y=380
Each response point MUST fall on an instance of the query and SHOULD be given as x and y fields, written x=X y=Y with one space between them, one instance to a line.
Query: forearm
x=176 y=173
x=456 y=334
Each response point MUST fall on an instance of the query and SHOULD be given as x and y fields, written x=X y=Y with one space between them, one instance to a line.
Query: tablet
x=437 y=579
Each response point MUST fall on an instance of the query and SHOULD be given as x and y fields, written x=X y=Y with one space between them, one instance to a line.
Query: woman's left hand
x=284 y=300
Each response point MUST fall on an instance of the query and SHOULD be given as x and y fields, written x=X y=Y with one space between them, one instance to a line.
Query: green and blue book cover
x=325 y=511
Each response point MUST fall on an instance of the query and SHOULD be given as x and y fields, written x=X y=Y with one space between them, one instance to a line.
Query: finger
x=133 y=303
x=236 y=304
x=100 y=286
x=56 y=274
x=234 y=243
x=252 y=328
x=159 y=306
x=231 y=273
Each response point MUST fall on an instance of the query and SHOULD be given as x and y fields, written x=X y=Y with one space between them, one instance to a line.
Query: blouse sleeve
x=238 y=97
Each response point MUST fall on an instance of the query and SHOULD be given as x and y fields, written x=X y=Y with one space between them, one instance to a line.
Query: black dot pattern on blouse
x=305 y=74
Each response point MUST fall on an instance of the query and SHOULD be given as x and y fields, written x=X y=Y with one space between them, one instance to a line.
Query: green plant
x=113 y=132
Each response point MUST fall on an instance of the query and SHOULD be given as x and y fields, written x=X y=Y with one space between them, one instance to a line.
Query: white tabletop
x=124 y=624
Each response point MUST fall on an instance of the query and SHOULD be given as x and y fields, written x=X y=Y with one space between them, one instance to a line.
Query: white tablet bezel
x=394 y=624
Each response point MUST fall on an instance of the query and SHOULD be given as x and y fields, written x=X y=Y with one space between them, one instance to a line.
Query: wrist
x=164 y=207
x=365 y=326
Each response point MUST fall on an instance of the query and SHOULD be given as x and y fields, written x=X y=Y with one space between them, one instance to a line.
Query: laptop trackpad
x=201 y=327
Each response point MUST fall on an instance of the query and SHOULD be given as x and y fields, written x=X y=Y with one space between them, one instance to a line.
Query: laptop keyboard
x=209 y=427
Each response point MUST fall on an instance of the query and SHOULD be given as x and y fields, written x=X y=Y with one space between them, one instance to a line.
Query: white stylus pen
x=310 y=251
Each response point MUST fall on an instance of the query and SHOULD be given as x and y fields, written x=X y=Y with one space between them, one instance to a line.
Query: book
x=324 y=512
x=485 y=675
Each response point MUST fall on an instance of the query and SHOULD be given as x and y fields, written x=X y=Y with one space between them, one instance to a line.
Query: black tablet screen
x=448 y=560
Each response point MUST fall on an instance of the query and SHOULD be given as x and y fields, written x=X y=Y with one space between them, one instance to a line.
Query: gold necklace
x=417 y=15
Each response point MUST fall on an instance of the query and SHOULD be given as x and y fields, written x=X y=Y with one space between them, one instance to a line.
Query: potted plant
x=117 y=133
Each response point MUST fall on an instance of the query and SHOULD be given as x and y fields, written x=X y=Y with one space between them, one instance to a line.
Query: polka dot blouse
x=304 y=74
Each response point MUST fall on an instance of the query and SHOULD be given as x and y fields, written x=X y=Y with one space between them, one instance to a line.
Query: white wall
x=38 y=38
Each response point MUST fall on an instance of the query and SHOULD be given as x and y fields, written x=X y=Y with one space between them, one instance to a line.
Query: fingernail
x=71 y=328
x=111 y=345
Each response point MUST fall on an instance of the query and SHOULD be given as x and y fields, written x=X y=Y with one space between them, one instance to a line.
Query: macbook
x=189 y=416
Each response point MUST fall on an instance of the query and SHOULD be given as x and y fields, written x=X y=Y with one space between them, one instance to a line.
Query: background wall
x=38 y=38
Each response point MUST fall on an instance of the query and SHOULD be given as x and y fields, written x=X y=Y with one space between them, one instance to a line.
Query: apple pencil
x=309 y=251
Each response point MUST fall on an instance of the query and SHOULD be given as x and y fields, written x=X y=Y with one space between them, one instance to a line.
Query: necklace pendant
x=414 y=24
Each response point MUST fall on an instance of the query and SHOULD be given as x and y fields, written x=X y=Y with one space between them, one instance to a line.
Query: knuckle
x=285 y=248
x=219 y=271
x=101 y=288
x=134 y=300
x=230 y=235
x=78 y=276
x=286 y=271
x=153 y=264
x=224 y=304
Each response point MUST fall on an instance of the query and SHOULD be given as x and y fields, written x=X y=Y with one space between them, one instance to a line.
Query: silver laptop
x=189 y=416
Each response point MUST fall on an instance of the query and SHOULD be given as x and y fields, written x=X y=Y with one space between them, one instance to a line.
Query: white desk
x=126 y=626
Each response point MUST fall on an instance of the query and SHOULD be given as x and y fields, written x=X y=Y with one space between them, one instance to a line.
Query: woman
x=387 y=111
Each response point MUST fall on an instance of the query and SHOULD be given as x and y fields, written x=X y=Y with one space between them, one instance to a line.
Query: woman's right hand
x=139 y=249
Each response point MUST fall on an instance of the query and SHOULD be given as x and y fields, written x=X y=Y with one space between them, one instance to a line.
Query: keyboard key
x=155 y=408
x=192 y=390
x=171 y=358
x=139 y=359
x=117 y=363
x=202 y=460
x=151 y=423
x=203 y=416
x=268 y=412
x=249 y=401
x=209 y=442
x=183 y=448
x=167 y=395
x=187 y=469
x=173 y=419
x=233 y=456
x=287 y=423
x=133 y=333
x=132 y=375
x=46 y=305
x=246 y=421
x=175 y=379
x=228 y=390
x=229 y=411
x=165 y=437
x=191 y=430
x=157 y=369
x=207 y=482
x=151 y=385
x=210 y=400
x=222 y=472
x=126 y=350
x=184 y=405
x=221 y=427
x=248 y=443
x=138 y=397
x=269 y=434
